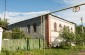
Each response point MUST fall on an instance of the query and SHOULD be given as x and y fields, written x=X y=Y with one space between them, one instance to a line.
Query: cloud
x=74 y=2
x=14 y=17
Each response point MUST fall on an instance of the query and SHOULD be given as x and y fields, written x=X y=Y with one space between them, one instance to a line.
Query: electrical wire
x=66 y=8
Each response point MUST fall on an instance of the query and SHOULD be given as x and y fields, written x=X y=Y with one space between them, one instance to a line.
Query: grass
x=53 y=51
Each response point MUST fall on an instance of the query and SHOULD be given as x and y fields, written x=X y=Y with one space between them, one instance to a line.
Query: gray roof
x=45 y=14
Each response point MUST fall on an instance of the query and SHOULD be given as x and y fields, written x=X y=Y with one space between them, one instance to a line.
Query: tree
x=68 y=37
x=7 y=34
x=3 y=23
x=17 y=33
x=80 y=37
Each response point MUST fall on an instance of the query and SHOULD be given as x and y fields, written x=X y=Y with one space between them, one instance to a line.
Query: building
x=44 y=27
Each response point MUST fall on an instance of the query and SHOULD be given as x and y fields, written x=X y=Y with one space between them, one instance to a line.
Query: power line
x=66 y=8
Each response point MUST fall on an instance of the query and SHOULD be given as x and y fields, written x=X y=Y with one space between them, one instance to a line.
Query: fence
x=22 y=44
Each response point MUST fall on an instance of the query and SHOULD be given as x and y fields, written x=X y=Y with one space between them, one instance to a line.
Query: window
x=68 y=28
x=71 y=29
x=34 y=27
x=60 y=25
x=55 y=26
x=64 y=26
x=28 y=26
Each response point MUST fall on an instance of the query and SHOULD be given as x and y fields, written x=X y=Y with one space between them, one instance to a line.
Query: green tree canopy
x=3 y=23
x=17 y=33
x=80 y=37
x=68 y=37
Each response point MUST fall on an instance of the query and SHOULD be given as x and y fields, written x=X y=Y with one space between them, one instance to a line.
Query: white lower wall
x=54 y=35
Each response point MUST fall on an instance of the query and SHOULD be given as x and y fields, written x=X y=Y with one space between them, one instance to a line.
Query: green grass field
x=53 y=51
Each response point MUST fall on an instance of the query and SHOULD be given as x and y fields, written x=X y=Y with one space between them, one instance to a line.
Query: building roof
x=62 y=19
x=44 y=14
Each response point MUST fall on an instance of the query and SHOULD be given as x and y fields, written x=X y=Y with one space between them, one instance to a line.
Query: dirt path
x=82 y=52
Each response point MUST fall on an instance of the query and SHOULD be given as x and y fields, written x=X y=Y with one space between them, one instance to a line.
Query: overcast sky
x=18 y=10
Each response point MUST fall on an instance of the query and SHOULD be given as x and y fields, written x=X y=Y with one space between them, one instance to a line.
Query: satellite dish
x=76 y=9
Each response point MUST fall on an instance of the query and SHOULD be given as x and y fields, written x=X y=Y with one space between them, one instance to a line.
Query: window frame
x=55 y=26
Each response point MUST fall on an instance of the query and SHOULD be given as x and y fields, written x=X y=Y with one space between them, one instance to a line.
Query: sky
x=18 y=10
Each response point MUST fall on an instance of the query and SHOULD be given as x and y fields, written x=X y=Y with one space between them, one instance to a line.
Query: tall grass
x=51 y=51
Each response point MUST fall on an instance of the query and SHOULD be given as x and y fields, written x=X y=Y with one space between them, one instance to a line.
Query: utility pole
x=82 y=25
x=5 y=10
x=43 y=31
x=82 y=30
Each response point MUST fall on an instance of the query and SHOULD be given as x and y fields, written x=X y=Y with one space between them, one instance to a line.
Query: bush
x=68 y=37
x=7 y=35
x=16 y=33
